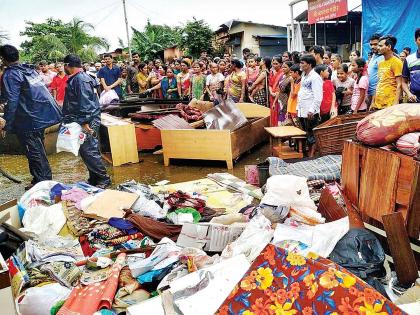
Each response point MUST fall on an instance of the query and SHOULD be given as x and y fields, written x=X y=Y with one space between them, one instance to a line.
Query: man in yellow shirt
x=389 y=88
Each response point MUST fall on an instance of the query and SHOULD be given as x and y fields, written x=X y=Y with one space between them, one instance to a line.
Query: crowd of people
x=301 y=88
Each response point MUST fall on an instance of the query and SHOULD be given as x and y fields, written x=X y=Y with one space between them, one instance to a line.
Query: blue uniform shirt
x=110 y=76
x=373 y=73
x=411 y=71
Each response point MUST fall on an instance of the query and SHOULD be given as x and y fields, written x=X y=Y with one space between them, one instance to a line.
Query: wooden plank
x=248 y=136
x=378 y=184
x=413 y=218
x=8 y=204
x=399 y=245
x=123 y=143
x=350 y=171
x=197 y=144
x=251 y=110
x=285 y=131
x=329 y=208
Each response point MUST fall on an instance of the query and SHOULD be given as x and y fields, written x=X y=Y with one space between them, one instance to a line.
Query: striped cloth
x=327 y=168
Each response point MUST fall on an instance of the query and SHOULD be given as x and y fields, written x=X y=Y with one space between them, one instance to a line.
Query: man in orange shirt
x=58 y=84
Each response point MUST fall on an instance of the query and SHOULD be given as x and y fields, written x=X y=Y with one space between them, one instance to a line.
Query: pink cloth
x=75 y=195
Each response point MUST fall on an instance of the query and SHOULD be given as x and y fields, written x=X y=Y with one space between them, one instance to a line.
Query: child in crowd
x=124 y=75
x=252 y=73
x=198 y=82
x=328 y=107
x=214 y=83
x=344 y=89
x=296 y=75
x=358 y=100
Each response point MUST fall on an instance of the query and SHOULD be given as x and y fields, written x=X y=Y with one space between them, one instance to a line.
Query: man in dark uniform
x=29 y=110
x=81 y=105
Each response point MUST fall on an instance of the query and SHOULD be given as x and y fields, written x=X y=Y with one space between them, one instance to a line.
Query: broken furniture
x=224 y=145
x=331 y=135
x=384 y=187
x=118 y=140
x=282 y=133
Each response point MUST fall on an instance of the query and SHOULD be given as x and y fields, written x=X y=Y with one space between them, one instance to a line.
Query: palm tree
x=81 y=42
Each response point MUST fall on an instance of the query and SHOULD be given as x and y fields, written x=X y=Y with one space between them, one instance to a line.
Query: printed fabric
x=198 y=84
x=86 y=300
x=279 y=282
x=326 y=167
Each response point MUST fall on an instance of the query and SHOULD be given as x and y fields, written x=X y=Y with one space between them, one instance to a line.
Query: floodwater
x=67 y=168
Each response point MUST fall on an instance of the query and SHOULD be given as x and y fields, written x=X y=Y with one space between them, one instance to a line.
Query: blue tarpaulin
x=397 y=17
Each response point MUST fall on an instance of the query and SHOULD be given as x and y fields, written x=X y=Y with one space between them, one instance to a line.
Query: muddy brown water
x=67 y=168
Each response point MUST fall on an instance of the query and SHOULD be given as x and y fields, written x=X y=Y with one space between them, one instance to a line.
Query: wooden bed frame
x=219 y=145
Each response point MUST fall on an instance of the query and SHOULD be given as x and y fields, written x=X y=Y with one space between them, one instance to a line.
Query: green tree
x=153 y=39
x=196 y=36
x=53 y=39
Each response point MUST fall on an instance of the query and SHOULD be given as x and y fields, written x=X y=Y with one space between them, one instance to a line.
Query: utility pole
x=126 y=29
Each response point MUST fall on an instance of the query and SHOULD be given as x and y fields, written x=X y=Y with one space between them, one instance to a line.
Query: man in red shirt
x=58 y=84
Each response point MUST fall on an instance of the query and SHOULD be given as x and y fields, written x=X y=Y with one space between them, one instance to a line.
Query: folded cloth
x=181 y=199
x=155 y=229
x=326 y=167
x=75 y=195
x=64 y=272
x=77 y=224
x=123 y=225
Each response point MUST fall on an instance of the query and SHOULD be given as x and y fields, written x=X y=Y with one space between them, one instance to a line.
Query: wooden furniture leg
x=165 y=160
x=229 y=164
x=399 y=245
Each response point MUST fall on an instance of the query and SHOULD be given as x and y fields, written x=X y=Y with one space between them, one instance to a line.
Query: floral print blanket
x=285 y=283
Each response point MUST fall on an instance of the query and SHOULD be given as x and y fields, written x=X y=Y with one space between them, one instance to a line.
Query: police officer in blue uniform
x=81 y=105
x=29 y=110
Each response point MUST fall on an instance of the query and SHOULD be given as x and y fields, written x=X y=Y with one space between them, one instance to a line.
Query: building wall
x=250 y=30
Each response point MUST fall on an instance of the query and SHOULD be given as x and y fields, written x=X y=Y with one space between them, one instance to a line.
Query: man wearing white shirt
x=309 y=99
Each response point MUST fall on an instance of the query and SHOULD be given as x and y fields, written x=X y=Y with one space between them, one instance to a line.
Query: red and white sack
x=409 y=144
x=388 y=125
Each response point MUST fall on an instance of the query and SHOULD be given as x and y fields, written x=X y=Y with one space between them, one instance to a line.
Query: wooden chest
x=223 y=145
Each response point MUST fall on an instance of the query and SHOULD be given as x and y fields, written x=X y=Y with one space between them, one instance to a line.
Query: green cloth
x=54 y=310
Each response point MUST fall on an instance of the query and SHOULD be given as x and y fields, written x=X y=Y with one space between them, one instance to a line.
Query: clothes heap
x=170 y=249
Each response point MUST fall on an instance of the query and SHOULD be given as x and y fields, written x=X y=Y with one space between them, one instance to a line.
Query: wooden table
x=282 y=133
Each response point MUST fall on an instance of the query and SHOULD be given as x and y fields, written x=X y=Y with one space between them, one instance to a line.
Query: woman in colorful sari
x=168 y=85
x=198 y=82
x=237 y=82
x=273 y=88
x=143 y=77
x=156 y=78
x=259 y=88
x=184 y=80
x=284 y=90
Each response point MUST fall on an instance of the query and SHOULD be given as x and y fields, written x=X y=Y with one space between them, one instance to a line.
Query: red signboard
x=323 y=10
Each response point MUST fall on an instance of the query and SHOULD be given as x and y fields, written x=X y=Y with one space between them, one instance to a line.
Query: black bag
x=360 y=252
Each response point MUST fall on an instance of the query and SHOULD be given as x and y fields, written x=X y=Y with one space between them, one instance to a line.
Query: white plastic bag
x=40 y=300
x=44 y=221
x=107 y=97
x=70 y=137
x=320 y=239
x=292 y=191
x=254 y=238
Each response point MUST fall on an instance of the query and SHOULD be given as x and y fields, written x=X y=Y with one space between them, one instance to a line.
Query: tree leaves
x=54 y=39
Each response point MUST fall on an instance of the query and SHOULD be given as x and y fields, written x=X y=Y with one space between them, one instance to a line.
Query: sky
x=108 y=19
